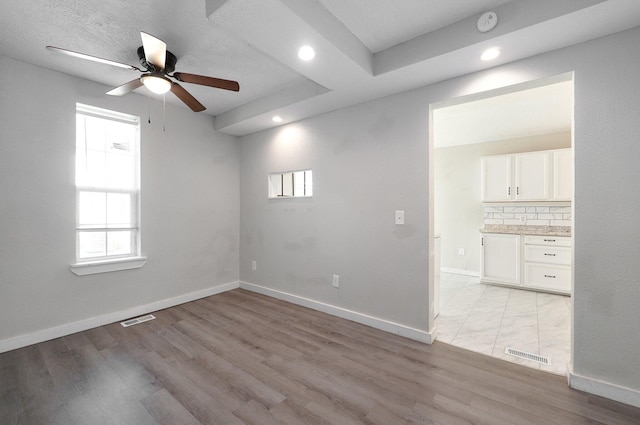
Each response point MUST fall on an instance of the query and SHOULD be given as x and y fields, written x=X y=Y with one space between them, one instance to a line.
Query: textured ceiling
x=111 y=29
x=365 y=48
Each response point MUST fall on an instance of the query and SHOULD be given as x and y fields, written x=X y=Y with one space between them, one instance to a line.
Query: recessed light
x=276 y=118
x=306 y=53
x=490 y=54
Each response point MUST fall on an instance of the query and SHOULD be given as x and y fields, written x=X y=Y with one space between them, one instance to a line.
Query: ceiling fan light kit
x=159 y=65
x=156 y=83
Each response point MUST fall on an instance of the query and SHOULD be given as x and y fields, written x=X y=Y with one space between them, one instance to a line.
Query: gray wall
x=458 y=192
x=190 y=204
x=347 y=228
x=371 y=159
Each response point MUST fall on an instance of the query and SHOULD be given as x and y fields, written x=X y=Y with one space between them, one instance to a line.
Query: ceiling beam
x=279 y=31
x=314 y=14
x=512 y=16
x=261 y=110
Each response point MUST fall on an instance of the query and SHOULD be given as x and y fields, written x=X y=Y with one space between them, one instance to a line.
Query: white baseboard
x=105 y=319
x=605 y=389
x=460 y=271
x=354 y=316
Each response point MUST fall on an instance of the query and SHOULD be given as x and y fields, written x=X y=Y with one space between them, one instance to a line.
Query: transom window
x=107 y=184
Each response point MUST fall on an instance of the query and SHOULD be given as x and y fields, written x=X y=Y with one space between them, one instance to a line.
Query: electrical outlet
x=460 y=251
x=336 y=281
x=254 y=265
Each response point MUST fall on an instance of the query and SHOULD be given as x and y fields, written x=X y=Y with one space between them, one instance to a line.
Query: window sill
x=83 y=269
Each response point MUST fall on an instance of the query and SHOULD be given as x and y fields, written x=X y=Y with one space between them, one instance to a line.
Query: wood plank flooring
x=243 y=358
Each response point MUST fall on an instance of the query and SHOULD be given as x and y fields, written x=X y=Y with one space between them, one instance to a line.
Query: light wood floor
x=242 y=358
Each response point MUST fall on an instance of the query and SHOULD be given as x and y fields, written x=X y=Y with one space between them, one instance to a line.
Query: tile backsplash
x=528 y=215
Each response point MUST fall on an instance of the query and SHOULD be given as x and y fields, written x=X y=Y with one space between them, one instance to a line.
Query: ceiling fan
x=159 y=64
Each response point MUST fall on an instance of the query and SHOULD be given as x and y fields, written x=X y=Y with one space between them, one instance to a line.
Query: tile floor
x=486 y=319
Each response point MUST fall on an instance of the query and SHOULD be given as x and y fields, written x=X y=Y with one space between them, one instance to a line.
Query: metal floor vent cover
x=528 y=356
x=137 y=320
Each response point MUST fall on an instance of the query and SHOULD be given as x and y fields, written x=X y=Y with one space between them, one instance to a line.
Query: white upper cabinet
x=563 y=175
x=496 y=178
x=531 y=176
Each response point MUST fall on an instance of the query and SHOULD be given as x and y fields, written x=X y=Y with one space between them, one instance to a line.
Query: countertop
x=527 y=230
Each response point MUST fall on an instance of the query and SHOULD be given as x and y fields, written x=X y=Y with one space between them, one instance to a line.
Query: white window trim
x=90 y=267
x=106 y=266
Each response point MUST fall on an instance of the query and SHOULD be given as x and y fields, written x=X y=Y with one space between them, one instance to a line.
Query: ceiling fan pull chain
x=164 y=112
x=149 y=121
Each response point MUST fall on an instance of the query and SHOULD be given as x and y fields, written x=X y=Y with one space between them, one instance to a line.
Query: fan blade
x=186 y=97
x=126 y=88
x=207 y=81
x=155 y=50
x=92 y=58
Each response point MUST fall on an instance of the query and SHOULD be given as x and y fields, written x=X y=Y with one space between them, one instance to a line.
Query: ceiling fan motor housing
x=169 y=66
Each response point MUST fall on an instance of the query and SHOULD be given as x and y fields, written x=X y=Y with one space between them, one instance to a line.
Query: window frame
x=135 y=243
x=279 y=188
x=108 y=263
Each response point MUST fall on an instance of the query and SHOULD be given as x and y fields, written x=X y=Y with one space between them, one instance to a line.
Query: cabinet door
x=562 y=175
x=532 y=176
x=501 y=258
x=496 y=178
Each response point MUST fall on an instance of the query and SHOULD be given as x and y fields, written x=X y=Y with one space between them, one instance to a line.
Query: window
x=291 y=184
x=107 y=186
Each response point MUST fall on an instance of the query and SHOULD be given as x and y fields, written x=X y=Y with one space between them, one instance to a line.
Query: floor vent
x=527 y=356
x=137 y=320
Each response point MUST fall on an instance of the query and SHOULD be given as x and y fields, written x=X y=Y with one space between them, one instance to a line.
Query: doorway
x=514 y=322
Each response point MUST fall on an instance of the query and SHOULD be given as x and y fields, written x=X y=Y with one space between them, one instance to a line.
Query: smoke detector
x=487 y=21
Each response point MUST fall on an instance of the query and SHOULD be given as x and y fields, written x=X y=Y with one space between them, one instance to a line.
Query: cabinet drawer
x=548 y=254
x=550 y=277
x=547 y=240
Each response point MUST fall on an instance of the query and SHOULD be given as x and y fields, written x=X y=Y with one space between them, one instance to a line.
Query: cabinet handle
x=548 y=275
x=550 y=255
x=549 y=240
x=509 y=191
x=481 y=241
x=517 y=190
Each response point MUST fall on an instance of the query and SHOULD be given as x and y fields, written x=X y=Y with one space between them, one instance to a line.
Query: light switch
x=399 y=217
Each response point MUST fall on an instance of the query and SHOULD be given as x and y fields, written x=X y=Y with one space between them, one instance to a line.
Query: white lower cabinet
x=541 y=263
x=547 y=263
x=501 y=258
